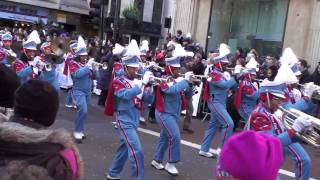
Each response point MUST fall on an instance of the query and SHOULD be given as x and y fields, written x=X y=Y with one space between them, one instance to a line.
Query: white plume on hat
x=179 y=51
x=224 y=50
x=33 y=37
x=286 y=75
x=118 y=49
x=288 y=57
x=133 y=49
x=81 y=43
x=252 y=64
x=144 y=45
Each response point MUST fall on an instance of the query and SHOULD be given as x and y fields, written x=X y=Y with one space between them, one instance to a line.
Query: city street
x=102 y=141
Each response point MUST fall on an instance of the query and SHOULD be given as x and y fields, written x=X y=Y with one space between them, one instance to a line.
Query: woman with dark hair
x=272 y=71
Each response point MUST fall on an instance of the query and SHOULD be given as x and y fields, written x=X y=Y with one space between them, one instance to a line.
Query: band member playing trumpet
x=263 y=119
x=25 y=67
x=123 y=99
x=169 y=103
x=247 y=93
x=48 y=70
x=5 y=51
x=81 y=73
x=216 y=92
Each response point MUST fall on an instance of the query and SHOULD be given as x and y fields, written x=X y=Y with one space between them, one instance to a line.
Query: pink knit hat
x=250 y=156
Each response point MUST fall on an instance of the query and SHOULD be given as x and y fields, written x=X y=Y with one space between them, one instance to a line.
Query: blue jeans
x=219 y=117
x=130 y=146
x=301 y=159
x=169 y=136
x=81 y=100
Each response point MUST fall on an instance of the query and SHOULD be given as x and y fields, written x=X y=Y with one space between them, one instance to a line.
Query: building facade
x=266 y=25
x=67 y=13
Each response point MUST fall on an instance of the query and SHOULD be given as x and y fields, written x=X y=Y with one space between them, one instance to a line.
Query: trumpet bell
x=48 y=67
x=310 y=135
x=54 y=59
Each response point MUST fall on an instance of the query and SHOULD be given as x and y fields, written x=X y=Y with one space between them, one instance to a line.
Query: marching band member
x=5 y=51
x=217 y=88
x=189 y=92
x=65 y=77
x=290 y=72
x=81 y=73
x=25 y=67
x=263 y=119
x=118 y=53
x=49 y=75
x=247 y=93
x=169 y=103
x=122 y=98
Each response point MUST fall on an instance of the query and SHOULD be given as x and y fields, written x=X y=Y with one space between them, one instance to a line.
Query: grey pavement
x=102 y=141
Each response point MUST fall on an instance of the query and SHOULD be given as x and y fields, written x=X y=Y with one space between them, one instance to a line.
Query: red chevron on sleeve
x=248 y=90
x=17 y=67
x=73 y=67
x=117 y=67
x=260 y=122
x=164 y=86
x=117 y=86
x=216 y=76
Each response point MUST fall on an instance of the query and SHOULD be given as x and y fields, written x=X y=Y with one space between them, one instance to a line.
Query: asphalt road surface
x=102 y=141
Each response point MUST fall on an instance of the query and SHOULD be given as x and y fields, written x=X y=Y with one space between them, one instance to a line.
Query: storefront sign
x=24 y=18
x=61 y=18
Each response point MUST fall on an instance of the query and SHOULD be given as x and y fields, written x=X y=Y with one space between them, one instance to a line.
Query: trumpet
x=103 y=65
x=310 y=136
x=158 y=80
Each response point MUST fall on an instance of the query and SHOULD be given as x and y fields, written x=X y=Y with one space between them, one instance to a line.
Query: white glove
x=188 y=76
x=301 y=123
x=152 y=64
x=146 y=77
x=138 y=83
x=32 y=63
x=89 y=63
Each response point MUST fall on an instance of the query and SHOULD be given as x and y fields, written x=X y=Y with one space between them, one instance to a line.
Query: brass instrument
x=51 y=60
x=103 y=65
x=311 y=136
x=59 y=46
x=157 y=80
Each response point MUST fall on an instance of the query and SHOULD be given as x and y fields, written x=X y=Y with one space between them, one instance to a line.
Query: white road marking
x=197 y=146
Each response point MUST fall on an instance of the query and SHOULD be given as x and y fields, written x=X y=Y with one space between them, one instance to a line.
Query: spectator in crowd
x=179 y=36
x=305 y=75
x=11 y=82
x=272 y=72
x=250 y=156
x=315 y=77
x=25 y=139
x=199 y=67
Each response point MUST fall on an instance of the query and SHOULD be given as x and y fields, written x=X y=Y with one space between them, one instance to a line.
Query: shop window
x=248 y=24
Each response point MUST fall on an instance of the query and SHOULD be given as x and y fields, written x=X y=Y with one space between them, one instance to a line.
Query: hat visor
x=133 y=65
x=175 y=65
x=31 y=48
x=278 y=95
x=83 y=54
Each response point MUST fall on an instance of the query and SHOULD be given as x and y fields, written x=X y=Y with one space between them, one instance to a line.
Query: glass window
x=248 y=24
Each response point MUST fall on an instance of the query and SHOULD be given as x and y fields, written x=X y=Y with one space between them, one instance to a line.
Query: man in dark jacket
x=305 y=75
